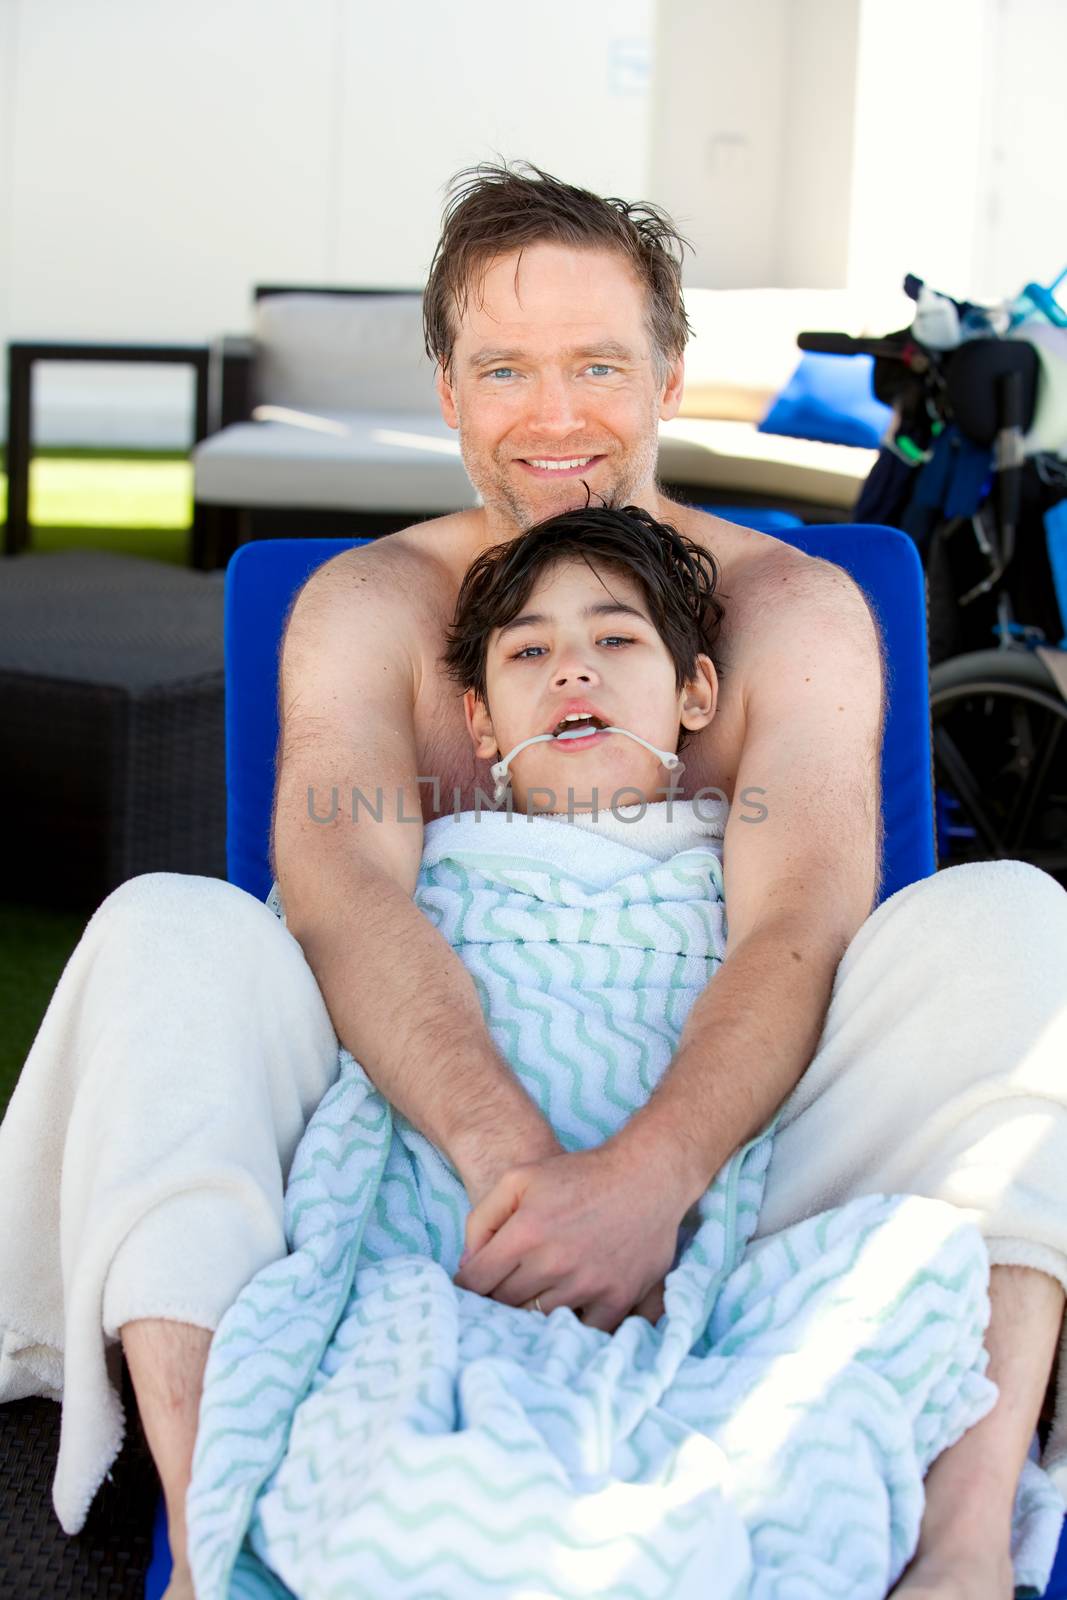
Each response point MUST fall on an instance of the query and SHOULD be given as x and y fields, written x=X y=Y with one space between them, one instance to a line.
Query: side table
x=21 y=357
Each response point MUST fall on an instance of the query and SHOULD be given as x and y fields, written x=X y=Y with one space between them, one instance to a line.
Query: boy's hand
x=582 y=1229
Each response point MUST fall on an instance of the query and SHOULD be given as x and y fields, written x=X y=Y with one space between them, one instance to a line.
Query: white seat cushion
x=334 y=461
x=345 y=461
x=733 y=456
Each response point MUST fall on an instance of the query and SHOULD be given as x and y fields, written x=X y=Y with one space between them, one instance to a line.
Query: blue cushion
x=886 y=565
x=261 y=582
x=263 y=577
x=761 y=518
x=160 y=1566
x=830 y=398
x=1057 y=1584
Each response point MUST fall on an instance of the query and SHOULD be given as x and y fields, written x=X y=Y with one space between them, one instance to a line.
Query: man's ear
x=480 y=726
x=700 y=696
x=673 y=390
x=447 y=399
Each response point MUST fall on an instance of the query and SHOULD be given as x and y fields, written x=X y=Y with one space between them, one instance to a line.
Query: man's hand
x=577 y=1230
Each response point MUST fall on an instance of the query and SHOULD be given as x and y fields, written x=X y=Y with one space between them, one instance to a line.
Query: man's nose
x=556 y=410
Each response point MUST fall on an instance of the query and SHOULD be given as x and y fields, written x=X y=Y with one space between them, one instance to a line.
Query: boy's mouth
x=578 y=724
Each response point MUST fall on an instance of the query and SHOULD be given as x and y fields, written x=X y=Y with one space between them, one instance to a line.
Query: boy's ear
x=700 y=696
x=480 y=726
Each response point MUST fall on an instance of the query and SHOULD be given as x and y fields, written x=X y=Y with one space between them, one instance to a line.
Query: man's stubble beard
x=503 y=501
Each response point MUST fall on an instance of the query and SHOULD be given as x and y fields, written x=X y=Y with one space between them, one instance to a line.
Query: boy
x=585 y=652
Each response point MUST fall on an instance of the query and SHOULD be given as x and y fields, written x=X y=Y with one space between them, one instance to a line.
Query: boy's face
x=554 y=385
x=585 y=636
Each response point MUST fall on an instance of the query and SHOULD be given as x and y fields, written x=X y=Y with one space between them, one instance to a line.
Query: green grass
x=34 y=948
x=134 y=504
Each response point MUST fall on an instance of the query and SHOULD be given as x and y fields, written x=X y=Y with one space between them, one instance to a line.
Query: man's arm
x=799 y=882
x=598 y=1229
x=400 y=998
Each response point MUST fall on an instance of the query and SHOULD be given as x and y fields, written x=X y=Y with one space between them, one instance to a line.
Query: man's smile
x=558 y=466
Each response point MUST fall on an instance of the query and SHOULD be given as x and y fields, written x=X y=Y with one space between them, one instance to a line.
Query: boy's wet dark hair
x=678 y=579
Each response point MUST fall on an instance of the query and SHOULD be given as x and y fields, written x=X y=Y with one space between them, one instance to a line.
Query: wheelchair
x=974 y=469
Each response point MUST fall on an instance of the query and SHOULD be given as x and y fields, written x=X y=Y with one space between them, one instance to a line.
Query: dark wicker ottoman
x=109 y=1559
x=112 y=745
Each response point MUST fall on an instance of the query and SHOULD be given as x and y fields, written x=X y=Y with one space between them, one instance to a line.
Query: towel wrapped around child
x=369 y=1429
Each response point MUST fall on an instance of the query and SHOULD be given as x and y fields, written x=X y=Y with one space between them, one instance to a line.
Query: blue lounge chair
x=262 y=579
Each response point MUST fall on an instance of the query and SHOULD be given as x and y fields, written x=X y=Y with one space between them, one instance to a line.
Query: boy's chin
x=617 y=797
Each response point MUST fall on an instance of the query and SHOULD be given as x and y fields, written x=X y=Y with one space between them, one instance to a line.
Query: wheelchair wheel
x=999 y=728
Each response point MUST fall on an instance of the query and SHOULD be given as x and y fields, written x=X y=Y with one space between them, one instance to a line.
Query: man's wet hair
x=678 y=579
x=496 y=208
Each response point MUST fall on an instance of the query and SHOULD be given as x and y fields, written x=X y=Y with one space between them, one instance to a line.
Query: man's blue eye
x=506 y=372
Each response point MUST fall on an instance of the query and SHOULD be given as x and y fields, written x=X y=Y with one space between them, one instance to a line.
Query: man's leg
x=145 y=1152
x=166 y=1362
x=941 y=1072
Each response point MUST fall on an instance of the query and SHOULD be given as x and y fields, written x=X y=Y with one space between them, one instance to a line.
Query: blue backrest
x=263 y=578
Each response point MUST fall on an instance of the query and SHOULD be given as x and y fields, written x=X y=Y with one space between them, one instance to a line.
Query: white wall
x=717 y=127
x=926 y=75
x=817 y=153
x=1022 y=229
x=842 y=143
x=752 y=136
x=158 y=159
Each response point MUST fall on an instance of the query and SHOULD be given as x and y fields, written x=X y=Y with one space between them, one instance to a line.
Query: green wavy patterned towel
x=368 y=1429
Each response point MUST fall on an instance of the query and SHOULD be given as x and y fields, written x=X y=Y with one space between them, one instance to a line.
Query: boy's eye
x=610 y=638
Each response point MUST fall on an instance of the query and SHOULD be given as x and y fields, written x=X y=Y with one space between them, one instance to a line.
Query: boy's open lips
x=558 y=466
x=582 y=743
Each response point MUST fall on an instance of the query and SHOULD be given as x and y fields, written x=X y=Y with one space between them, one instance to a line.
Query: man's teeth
x=561 y=466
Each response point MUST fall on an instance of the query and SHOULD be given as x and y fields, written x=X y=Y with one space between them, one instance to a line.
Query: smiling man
x=557 y=323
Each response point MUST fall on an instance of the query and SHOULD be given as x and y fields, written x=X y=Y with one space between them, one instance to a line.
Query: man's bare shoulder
x=410 y=570
x=768 y=585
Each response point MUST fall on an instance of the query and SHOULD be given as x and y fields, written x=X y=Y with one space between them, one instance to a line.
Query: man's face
x=585 y=635
x=554 y=385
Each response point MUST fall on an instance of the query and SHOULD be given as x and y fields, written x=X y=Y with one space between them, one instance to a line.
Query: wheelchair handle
x=843 y=344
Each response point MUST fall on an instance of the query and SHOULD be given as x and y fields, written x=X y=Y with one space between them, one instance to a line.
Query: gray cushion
x=335 y=461
x=338 y=352
x=93 y=617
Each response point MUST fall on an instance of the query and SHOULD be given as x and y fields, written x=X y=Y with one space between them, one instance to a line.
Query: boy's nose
x=575 y=671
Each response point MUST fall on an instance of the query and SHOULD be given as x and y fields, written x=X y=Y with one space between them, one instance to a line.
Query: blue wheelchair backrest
x=263 y=577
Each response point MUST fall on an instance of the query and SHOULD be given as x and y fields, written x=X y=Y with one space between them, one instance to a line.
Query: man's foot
x=970 y=1575
x=180 y=1586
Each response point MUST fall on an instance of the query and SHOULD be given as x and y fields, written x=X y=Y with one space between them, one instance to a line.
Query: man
x=556 y=321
